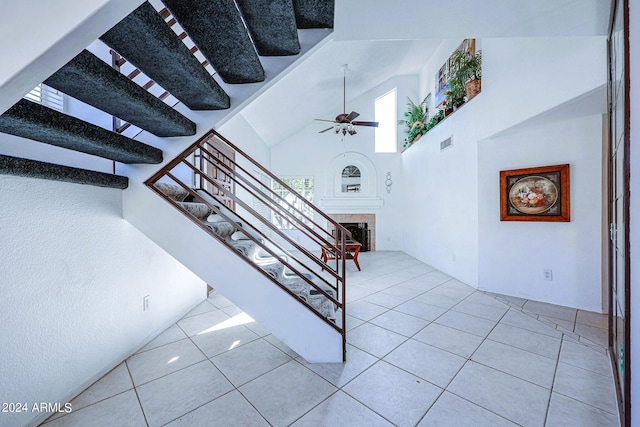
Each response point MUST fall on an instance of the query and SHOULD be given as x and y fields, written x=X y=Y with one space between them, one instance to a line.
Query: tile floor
x=423 y=350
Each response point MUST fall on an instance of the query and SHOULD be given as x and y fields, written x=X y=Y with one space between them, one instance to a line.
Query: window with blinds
x=47 y=96
x=303 y=190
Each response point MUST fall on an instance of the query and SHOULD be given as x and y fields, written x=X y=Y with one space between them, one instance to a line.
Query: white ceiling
x=381 y=38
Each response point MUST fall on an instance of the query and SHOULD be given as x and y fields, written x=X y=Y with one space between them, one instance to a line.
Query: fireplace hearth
x=362 y=228
x=359 y=233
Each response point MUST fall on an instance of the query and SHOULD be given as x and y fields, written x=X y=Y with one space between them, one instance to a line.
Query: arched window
x=350 y=179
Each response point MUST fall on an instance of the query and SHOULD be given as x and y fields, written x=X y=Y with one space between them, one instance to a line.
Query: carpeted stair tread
x=27 y=119
x=272 y=26
x=42 y=170
x=91 y=80
x=314 y=13
x=217 y=29
x=145 y=40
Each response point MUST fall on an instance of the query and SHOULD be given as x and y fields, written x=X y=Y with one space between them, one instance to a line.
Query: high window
x=303 y=190
x=386 y=133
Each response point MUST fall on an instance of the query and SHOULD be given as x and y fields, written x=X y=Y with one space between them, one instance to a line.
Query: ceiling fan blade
x=323 y=120
x=322 y=131
x=372 y=124
x=352 y=115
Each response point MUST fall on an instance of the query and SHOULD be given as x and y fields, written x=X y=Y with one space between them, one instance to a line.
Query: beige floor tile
x=365 y=310
x=541 y=344
x=374 y=339
x=152 y=364
x=586 y=387
x=564 y=411
x=120 y=410
x=488 y=312
x=172 y=396
x=585 y=357
x=425 y=361
x=397 y=395
x=247 y=362
x=171 y=334
x=341 y=410
x=400 y=323
x=589 y=318
x=287 y=392
x=519 y=363
x=551 y=310
x=515 y=399
x=115 y=382
x=340 y=374
x=452 y=340
x=222 y=340
x=231 y=409
x=453 y=411
x=466 y=323
x=421 y=309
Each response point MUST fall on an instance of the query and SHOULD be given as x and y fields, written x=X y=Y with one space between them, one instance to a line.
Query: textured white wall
x=73 y=277
x=528 y=76
x=440 y=211
x=513 y=254
x=450 y=211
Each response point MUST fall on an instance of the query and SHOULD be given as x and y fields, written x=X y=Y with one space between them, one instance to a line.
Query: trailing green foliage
x=417 y=121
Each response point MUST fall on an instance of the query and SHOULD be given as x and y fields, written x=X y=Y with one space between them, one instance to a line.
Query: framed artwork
x=443 y=76
x=535 y=194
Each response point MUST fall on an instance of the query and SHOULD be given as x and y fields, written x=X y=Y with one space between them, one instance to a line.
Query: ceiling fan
x=344 y=123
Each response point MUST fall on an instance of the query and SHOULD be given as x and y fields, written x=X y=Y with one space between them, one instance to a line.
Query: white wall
x=440 y=211
x=309 y=154
x=73 y=277
x=523 y=77
x=449 y=207
x=513 y=254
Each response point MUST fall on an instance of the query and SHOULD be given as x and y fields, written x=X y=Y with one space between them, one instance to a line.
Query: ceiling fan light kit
x=345 y=123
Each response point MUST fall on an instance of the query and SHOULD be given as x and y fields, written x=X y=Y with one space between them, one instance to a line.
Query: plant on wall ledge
x=417 y=120
x=466 y=69
x=414 y=119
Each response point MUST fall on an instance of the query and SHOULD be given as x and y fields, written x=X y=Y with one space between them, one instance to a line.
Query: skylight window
x=386 y=133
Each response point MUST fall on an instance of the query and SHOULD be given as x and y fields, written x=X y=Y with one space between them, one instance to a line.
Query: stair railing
x=218 y=177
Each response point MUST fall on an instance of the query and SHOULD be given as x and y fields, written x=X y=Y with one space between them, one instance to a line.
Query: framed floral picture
x=535 y=194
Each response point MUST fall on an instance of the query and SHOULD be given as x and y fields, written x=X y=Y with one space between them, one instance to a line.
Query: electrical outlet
x=145 y=303
x=548 y=274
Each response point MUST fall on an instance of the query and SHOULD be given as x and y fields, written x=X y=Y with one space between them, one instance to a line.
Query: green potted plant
x=414 y=120
x=454 y=97
x=467 y=69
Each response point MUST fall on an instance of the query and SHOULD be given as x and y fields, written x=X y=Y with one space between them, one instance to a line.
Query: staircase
x=259 y=255
x=234 y=37
x=208 y=58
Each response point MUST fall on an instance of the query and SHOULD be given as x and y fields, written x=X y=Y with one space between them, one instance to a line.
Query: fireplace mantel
x=350 y=203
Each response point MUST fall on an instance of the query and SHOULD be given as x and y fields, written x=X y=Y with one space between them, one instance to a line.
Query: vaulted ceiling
x=380 y=39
